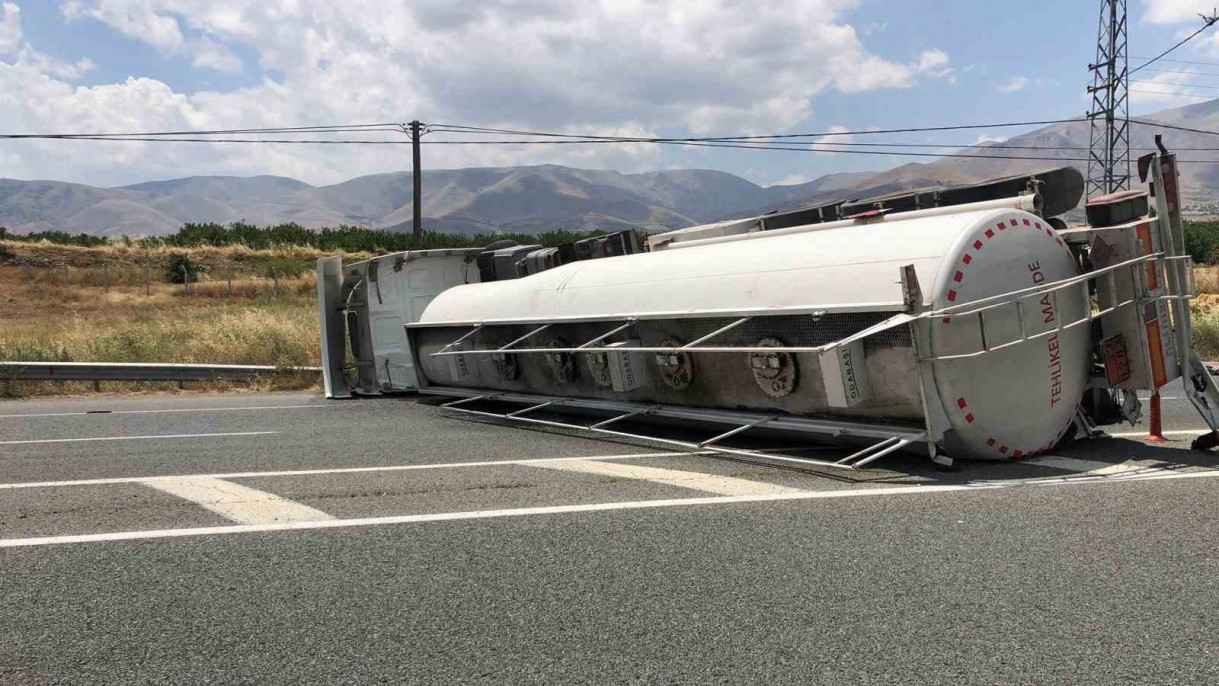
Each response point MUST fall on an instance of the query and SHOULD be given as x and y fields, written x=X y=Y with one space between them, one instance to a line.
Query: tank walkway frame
x=879 y=440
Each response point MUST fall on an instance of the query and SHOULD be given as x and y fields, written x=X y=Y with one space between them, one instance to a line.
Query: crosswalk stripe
x=238 y=503
x=711 y=483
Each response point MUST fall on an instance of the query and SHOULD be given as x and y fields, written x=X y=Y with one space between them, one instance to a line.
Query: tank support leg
x=935 y=419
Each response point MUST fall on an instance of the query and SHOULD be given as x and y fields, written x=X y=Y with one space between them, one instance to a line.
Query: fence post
x=185 y=280
x=67 y=275
x=230 y=280
x=106 y=278
x=147 y=279
x=275 y=277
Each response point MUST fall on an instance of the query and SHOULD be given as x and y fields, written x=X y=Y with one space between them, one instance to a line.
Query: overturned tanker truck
x=965 y=322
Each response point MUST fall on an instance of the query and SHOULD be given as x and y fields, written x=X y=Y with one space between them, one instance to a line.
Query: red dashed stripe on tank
x=963 y=406
x=988 y=234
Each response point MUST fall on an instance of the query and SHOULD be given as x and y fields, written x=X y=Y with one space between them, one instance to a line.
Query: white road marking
x=1070 y=464
x=239 y=503
x=189 y=409
x=137 y=438
x=1089 y=467
x=1143 y=434
x=711 y=483
x=564 y=509
x=337 y=470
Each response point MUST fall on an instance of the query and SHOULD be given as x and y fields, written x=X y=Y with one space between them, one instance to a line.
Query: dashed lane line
x=138 y=438
x=566 y=509
x=336 y=470
x=711 y=483
x=103 y=413
x=238 y=503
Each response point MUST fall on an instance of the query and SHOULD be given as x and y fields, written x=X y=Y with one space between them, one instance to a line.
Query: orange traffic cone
x=1155 y=431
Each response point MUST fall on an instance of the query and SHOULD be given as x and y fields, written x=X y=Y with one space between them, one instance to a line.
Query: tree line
x=1201 y=238
x=342 y=239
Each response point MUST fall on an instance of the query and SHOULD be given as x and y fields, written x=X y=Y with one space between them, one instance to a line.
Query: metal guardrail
x=140 y=371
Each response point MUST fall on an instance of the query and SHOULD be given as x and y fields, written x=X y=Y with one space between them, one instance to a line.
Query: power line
x=760 y=145
x=759 y=142
x=165 y=139
x=1207 y=64
x=706 y=144
x=1175 y=83
x=814 y=147
x=1184 y=95
x=1184 y=71
x=340 y=128
x=1173 y=127
x=457 y=128
x=1207 y=23
x=462 y=129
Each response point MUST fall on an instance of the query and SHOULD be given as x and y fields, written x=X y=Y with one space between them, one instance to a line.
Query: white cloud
x=1164 y=89
x=212 y=55
x=1016 y=84
x=24 y=55
x=1176 y=11
x=135 y=18
x=836 y=134
x=933 y=62
x=10 y=29
x=989 y=139
x=603 y=66
x=791 y=180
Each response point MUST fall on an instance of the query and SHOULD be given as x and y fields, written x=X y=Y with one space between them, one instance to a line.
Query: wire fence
x=248 y=282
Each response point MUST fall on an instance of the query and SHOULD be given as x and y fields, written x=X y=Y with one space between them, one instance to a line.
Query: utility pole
x=1109 y=146
x=417 y=177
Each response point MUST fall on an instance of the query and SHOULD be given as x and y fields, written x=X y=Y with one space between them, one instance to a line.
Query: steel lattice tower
x=1109 y=148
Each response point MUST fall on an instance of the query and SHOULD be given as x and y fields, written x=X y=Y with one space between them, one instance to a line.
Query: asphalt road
x=287 y=539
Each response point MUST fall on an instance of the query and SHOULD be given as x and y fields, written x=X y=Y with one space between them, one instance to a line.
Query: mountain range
x=541 y=198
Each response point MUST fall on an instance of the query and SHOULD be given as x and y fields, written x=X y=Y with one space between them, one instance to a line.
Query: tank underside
x=733 y=381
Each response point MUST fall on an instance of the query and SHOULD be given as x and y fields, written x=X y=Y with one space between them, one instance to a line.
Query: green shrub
x=1201 y=239
x=181 y=268
x=1205 y=329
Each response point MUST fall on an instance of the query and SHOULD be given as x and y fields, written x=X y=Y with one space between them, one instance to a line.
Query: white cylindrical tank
x=1010 y=402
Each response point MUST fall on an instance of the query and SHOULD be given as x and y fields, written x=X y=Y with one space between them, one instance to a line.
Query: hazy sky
x=664 y=67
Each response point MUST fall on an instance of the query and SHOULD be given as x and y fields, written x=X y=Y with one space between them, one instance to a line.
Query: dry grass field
x=114 y=304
